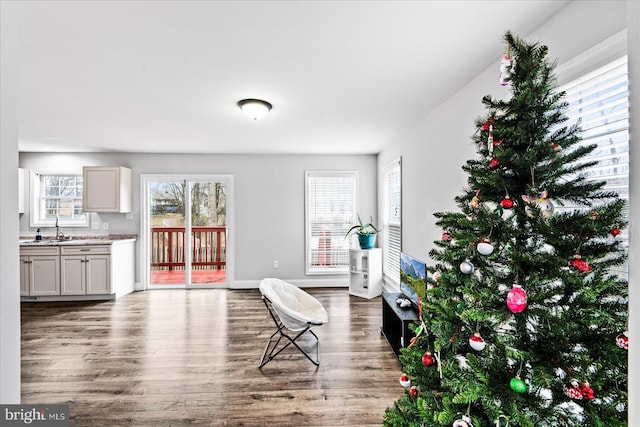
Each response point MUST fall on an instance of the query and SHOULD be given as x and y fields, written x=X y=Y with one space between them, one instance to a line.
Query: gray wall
x=9 y=260
x=268 y=199
x=434 y=151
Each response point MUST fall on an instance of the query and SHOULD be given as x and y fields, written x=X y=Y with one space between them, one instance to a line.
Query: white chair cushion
x=295 y=307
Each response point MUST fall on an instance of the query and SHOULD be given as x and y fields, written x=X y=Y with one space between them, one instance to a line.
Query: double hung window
x=392 y=222
x=57 y=198
x=330 y=210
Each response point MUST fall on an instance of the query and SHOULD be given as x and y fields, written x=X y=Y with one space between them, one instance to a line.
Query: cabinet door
x=44 y=275
x=106 y=189
x=72 y=275
x=98 y=275
x=24 y=275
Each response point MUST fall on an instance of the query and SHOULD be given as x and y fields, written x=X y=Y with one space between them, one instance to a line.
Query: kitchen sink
x=45 y=242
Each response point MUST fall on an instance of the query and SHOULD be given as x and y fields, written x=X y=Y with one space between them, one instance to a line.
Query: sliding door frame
x=145 y=208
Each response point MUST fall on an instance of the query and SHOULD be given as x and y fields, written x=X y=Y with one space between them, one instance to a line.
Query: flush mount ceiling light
x=254 y=108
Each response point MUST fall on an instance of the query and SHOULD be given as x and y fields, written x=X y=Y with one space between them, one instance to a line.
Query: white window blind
x=331 y=200
x=600 y=101
x=392 y=222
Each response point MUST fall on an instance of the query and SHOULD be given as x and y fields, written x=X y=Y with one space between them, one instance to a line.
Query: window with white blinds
x=392 y=222
x=331 y=200
x=599 y=100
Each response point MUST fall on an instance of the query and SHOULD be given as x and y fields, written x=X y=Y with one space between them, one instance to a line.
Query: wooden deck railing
x=208 y=251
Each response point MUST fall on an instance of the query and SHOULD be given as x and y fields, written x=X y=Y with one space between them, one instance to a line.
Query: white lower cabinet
x=85 y=270
x=40 y=271
x=73 y=271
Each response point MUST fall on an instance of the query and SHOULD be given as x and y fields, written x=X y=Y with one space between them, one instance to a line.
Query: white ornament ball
x=485 y=248
x=466 y=267
x=405 y=381
x=476 y=342
x=464 y=422
x=546 y=208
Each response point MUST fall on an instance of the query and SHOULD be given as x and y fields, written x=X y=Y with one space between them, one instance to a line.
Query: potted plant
x=367 y=233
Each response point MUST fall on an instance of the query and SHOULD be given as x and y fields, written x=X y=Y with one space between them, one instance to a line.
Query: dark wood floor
x=176 y=357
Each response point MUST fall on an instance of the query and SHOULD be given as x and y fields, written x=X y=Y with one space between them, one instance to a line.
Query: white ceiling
x=165 y=76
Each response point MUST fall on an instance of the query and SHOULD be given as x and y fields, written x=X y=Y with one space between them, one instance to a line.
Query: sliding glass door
x=187 y=230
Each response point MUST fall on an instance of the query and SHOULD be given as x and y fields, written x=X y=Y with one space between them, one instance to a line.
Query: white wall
x=435 y=149
x=633 y=24
x=268 y=199
x=9 y=260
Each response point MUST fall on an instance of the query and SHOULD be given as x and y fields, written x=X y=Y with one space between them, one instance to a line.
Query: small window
x=331 y=200
x=57 y=197
x=392 y=222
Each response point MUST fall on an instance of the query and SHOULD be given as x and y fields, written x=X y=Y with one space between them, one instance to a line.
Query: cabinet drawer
x=40 y=250
x=85 y=250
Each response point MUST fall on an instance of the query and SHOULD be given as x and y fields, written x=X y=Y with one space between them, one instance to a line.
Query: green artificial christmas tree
x=523 y=321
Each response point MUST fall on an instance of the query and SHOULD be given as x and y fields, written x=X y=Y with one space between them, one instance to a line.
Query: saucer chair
x=294 y=312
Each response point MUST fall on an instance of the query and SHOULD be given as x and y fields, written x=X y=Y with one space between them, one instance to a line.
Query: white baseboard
x=301 y=283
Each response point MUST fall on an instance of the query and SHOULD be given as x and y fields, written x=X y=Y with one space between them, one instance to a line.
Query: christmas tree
x=523 y=320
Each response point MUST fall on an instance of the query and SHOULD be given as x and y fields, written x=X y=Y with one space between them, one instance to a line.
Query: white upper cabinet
x=20 y=190
x=106 y=189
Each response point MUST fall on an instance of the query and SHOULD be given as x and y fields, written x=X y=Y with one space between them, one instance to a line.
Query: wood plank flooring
x=178 y=357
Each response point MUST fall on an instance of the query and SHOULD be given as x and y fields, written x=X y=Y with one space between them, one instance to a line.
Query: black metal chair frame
x=266 y=358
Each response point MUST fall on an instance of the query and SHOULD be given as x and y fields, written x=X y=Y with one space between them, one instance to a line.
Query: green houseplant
x=366 y=232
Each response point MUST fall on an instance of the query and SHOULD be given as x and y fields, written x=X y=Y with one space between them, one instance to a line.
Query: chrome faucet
x=59 y=234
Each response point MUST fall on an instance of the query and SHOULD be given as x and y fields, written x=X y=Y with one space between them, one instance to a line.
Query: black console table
x=396 y=322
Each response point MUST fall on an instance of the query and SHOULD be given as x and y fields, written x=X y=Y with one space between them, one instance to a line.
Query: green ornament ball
x=518 y=385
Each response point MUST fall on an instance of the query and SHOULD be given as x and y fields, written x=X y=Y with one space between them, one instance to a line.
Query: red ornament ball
x=577 y=263
x=622 y=341
x=427 y=359
x=615 y=231
x=587 y=391
x=572 y=390
x=517 y=299
x=506 y=203
x=494 y=163
x=578 y=391
x=413 y=392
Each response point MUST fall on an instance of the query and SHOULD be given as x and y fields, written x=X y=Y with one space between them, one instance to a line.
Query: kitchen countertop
x=106 y=239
